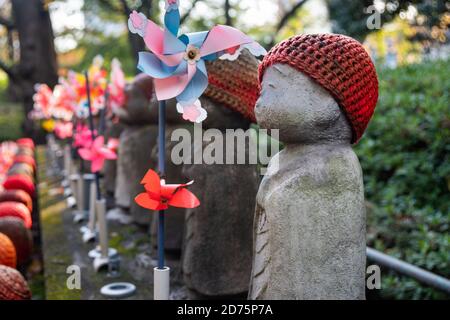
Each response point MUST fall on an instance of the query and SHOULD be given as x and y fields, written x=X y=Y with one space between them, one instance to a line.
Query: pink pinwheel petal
x=171 y=60
x=221 y=38
x=99 y=142
x=97 y=164
x=154 y=37
x=85 y=154
x=113 y=144
x=108 y=154
x=171 y=87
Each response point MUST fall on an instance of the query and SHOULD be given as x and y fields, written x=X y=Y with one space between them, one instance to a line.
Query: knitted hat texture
x=339 y=64
x=234 y=83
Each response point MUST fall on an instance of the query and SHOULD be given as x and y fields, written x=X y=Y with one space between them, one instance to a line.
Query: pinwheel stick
x=91 y=125
x=162 y=170
x=102 y=121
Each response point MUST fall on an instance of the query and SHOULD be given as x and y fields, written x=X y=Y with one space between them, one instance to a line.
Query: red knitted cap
x=339 y=64
x=234 y=83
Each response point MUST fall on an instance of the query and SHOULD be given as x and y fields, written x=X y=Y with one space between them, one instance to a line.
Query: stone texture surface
x=218 y=240
x=135 y=159
x=309 y=230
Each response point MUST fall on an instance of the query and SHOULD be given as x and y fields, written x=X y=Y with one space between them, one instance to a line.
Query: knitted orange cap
x=7 y=251
x=234 y=83
x=338 y=63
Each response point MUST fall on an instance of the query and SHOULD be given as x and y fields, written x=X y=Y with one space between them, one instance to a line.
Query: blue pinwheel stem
x=162 y=171
x=91 y=126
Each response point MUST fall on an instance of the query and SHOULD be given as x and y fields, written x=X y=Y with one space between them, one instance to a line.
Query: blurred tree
x=284 y=20
x=36 y=62
x=118 y=11
x=350 y=17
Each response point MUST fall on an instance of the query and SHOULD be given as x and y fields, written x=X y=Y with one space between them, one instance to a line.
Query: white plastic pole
x=73 y=180
x=102 y=227
x=80 y=194
x=161 y=283
x=92 y=207
x=67 y=161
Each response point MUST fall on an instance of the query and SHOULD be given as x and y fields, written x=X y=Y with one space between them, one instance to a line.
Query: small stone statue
x=218 y=239
x=136 y=141
x=320 y=92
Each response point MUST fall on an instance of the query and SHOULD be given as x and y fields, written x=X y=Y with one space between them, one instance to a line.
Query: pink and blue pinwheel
x=177 y=63
x=97 y=153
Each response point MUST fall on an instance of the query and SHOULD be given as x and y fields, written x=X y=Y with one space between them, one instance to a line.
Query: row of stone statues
x=300 y=232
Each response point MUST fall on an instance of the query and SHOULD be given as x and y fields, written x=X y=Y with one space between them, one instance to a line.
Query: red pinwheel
x=97 y=154
x=159 y=195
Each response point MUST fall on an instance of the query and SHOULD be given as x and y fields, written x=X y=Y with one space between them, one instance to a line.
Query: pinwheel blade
x=150 y=64
x=144 y=200
x=196 y=86
x=184 y=198
x=97 y=164
x=221 y=38
x=85 y=154
x=152 y=182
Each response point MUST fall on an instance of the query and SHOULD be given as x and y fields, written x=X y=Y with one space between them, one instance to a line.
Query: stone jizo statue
x=320 y=92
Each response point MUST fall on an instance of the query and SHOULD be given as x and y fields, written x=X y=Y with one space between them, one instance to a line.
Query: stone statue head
x=299 y=108
x=138 y=98
x=317 y=88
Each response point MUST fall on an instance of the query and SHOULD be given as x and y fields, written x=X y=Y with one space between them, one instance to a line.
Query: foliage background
x=405 y=156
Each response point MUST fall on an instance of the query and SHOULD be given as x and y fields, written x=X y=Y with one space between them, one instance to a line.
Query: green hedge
x=405 y=156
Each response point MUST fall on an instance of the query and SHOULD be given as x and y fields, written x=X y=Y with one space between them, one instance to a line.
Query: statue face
x=302 y=110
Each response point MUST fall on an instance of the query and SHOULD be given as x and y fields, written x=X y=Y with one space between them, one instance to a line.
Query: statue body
x=309 y=228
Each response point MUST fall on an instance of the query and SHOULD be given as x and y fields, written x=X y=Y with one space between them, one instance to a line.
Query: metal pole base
x=118 y=290
x=101 y=263
x=161 y=283
x=95 y=253
x=80 y=216
x=89 y=235
x=89 y=232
